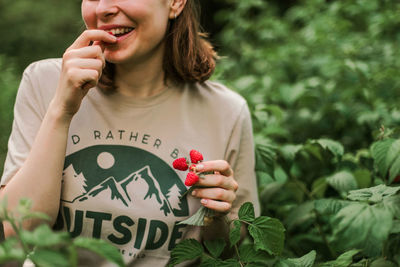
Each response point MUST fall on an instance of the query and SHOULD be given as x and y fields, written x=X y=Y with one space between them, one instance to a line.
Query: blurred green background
x=310 y=70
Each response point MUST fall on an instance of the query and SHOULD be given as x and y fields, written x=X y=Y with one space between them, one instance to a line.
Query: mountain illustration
x=73 y=184
x=138 y=186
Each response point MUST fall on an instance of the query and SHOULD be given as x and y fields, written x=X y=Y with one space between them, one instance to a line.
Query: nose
x=106 y=9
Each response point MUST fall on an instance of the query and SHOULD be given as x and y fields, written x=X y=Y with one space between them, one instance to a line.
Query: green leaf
x=392 y=204
x=198 y=218
x=100 y=247
x=248 y=254
x=44 y=236
x=24 y=206
x=215 y=247
x=234 y=234
x=386 y=154
x=305 y=261
x=343 y=182
x=360 y=225
x=49 y=258
x=9 y=251
x=373 y=194
x=268 y=234
x=330 y=206
x=319 y=187
x=334 y=147
x=289 y=152
x=300 y=215
x=188 y=249
x=246 y=212
x=343 y=260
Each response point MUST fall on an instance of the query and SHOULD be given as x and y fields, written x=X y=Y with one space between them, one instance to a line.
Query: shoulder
x=218 y=94
x=45 y=67
x=39 y=82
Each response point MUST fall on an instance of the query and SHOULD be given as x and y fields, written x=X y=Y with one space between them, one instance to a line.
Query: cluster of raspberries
x=182 y=164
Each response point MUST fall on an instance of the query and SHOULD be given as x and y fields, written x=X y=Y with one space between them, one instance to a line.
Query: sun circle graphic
x=105 y=160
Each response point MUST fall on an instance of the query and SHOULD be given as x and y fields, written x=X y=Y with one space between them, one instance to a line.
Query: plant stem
x=238 y=255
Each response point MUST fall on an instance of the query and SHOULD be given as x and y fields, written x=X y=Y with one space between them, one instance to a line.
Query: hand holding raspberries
x=182 y=164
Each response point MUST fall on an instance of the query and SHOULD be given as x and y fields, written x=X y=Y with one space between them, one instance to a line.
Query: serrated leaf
x=268 y=234
x=100 y=247
x=330 y=206
x=246 y=212
x=386 y=153
x=248 y=254
x=334 y=147
x=215 y=247
x=305 y=261
x=363 y=226
x=343 y=260
x=44 y=236
x=198 y=218
x=188 y=249
x=234 y=234
x=49 y=258
x=343 y=182
x=373 y=194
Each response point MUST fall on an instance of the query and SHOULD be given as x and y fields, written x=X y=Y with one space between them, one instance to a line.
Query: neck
x=142 y=79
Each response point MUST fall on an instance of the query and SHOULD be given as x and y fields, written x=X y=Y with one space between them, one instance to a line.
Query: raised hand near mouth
x=81 y=70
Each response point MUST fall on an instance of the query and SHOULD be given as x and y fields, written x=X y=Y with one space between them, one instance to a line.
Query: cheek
x=89 y=15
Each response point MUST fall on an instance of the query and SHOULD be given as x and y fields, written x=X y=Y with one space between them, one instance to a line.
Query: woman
x=95 y=133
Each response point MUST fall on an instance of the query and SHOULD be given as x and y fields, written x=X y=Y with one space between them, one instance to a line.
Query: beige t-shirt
x=118 y=180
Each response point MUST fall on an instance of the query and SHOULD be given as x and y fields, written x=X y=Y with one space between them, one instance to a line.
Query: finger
x=85 y=52
x=221 y=166
x=217 y=180
x=84 y=78
x=91 y=36
x=218 y=206
x=85 y=63
x=215 y=194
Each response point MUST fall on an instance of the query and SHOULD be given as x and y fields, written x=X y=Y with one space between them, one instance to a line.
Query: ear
x=176 y=7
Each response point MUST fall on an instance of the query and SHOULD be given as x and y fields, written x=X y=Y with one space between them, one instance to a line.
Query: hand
x=81 y=69
x=220 y=188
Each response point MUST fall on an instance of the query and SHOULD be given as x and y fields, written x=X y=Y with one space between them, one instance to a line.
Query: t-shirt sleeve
x=28 y=114
x=240 y=155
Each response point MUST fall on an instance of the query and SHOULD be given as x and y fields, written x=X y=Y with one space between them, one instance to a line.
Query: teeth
x=120 y=30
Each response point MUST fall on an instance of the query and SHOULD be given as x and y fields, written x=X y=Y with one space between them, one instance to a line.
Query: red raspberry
x=180 y=164
x=195 y=156
x=191 y=179
x=397 y=179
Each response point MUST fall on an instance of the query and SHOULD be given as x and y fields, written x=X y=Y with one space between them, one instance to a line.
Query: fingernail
x=194 y=192
x=199 y=167
x=203 y=201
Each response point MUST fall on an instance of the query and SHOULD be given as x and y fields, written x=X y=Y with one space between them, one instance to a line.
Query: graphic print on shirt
x=123 y=194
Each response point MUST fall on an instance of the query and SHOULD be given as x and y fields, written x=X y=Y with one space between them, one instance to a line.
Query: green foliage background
x=321 y=79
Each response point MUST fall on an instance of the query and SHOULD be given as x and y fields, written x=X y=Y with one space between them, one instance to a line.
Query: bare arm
x=39 y=178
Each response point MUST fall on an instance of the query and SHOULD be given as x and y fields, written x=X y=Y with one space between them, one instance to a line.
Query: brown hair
x=188 y=56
